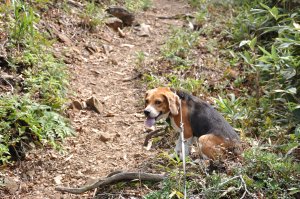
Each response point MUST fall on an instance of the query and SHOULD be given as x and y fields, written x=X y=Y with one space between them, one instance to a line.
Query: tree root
x=114 y=178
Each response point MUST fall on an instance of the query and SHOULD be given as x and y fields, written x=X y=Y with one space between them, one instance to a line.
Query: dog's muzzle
x=152 y=115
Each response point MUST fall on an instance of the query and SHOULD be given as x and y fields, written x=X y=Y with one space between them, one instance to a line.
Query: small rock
x=122 y=14
x=94 y=104
x=114 y=23
x=107 y=49
x=11 y=185
x=113 y=61
x=78 y=105
x=104 y=137
x=58 y=179
x=144 y=30
x=64 y=38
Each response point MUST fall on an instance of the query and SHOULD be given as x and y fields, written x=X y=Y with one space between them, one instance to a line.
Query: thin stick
x=152 y=134
x=11 y=87
x=245 y=187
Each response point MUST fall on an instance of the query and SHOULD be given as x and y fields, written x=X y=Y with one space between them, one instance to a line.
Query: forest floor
x=109 y=141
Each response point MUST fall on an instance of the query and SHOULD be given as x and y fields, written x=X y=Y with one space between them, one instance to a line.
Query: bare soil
x=106 y=76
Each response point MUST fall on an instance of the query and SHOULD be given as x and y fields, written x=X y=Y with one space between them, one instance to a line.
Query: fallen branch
x=178 y=16
x=154 y=133
x=113 y=179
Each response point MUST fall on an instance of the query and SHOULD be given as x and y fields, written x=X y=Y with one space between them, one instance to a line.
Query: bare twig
x=74 y=3
x=11 y=87
x=113 y=179
x=245 y=187
x=154 y=133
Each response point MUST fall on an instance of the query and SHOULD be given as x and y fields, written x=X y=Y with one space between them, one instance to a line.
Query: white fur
x=178 y=147
x=153 y=112
x=187 y=146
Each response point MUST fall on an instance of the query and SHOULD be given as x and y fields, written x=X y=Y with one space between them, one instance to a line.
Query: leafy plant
x=178 y=46
x=92 y=16
x=31 y=116
x=134 y=6
x=23 y=122
x=23 y=23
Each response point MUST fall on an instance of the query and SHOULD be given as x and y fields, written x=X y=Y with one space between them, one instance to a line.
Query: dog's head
x=159 y=103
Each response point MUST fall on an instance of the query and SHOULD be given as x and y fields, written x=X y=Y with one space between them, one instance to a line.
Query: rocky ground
x=102 y=65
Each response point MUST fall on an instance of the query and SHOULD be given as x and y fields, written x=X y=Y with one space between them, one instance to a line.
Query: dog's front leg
x=178 y=147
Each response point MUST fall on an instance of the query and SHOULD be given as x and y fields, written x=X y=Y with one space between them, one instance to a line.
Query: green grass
x=92 y=16
x=135 y=6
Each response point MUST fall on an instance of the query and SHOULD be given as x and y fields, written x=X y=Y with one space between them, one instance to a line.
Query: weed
x=178 y=46
x=23 y=122
x=140 y=56
x=92 y=16
x=134 y=6
x=152 y=80
x=23 y=25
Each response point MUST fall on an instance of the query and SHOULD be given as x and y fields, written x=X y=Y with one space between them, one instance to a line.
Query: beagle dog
x=215 y=135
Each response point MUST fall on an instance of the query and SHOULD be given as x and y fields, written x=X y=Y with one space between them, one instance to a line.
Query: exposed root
x=114 y=178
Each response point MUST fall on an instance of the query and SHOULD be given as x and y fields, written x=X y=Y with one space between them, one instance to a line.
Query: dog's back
x=204 y=119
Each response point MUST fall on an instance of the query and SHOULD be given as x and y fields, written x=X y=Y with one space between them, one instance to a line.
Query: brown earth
x=111 y=140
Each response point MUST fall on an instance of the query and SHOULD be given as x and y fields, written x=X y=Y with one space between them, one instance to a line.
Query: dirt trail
x=86 y=157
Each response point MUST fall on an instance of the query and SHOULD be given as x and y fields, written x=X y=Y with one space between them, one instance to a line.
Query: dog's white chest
x=173 y=124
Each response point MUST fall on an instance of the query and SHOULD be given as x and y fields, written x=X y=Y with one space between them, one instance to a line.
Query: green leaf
x=274 y=12
x=265 y=6
x=246 y=56
x=289 y=91
x=294 y=190
x=264 y=51
x=273 y=52
x=252 y=43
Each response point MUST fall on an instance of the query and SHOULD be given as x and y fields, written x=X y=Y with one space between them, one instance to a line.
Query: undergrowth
x=30 y=116
x=258 y=44
x=133 y=5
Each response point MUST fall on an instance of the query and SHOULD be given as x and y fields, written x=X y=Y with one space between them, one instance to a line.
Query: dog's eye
x=157 y=102
x=146 y=101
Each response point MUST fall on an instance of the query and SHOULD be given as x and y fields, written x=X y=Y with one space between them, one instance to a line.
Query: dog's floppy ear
x=173 y=101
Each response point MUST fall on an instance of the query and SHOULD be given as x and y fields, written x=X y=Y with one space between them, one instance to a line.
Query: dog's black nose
x=147 y=113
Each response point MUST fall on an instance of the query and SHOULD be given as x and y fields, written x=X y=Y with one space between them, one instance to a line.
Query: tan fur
x=214 y=147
